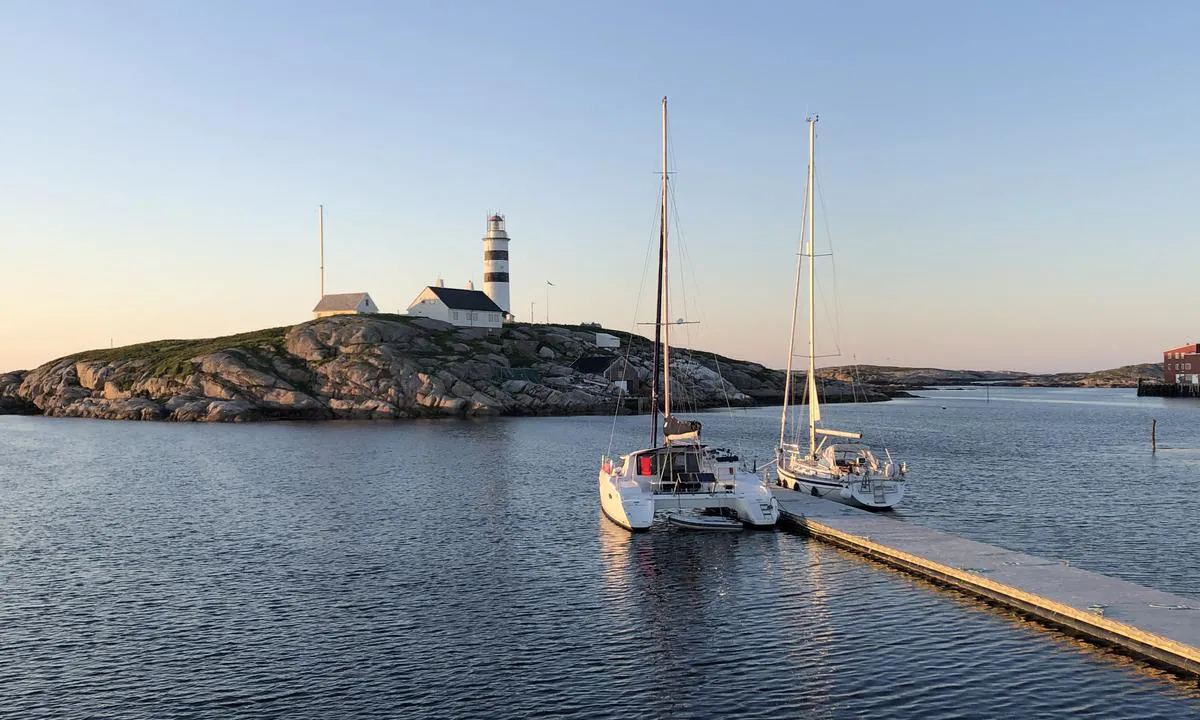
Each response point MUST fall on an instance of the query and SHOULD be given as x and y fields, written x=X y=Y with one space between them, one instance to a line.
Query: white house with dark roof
x=345 y=304
x=466 y=308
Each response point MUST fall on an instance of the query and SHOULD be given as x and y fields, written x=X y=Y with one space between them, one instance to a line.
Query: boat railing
x=791 y=453
x=608 y=466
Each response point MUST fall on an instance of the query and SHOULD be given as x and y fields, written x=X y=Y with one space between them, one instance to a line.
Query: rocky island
x=397 y=366
x=384 y=366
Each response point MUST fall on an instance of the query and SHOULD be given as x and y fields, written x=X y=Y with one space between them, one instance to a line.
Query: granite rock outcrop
x=377 y=367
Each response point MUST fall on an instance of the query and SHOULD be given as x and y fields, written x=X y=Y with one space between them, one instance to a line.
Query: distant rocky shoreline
x=893 y=380
x=396 y=366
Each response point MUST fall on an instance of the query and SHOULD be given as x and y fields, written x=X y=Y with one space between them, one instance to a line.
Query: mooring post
x=1153 y=440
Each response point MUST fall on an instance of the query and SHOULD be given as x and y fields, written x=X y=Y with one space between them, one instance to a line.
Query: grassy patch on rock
x=171 y=358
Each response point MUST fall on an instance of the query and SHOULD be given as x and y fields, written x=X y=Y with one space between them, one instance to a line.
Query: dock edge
x=1160 y=651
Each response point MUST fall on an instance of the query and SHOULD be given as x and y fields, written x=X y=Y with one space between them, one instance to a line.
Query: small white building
x=466 y=308
x=345 y=304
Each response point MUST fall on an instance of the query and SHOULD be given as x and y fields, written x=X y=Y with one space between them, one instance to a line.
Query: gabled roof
x=340 y=301
x=457 y=299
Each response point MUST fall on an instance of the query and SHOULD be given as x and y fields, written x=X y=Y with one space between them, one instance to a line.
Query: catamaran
x=838 y=465
x=683 y=480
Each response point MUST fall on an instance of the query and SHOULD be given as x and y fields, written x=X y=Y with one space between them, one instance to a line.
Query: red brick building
x=1182 y=365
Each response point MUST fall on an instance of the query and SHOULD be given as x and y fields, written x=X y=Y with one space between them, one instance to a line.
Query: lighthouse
x=495 y=262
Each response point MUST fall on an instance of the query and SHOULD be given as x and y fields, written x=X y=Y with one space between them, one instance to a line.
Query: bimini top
x=690 y=447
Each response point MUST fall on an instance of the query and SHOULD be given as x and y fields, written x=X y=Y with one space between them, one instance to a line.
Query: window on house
x=455 y=314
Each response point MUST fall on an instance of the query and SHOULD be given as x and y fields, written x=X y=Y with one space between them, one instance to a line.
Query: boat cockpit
x=677 y=469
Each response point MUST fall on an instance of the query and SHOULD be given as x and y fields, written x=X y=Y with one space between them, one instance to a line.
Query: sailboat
x=835 y=464
x=682 y=480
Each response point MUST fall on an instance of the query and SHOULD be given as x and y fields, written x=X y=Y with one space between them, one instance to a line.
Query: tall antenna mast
x=321 y=223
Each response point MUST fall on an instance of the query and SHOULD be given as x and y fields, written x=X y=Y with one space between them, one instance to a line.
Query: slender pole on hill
x=321 y=224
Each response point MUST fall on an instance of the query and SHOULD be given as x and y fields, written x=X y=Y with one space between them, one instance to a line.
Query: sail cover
x=675 y=429
x=814 y=403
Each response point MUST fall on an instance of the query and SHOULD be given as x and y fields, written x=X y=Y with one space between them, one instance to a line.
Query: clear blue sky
x=1006 y=185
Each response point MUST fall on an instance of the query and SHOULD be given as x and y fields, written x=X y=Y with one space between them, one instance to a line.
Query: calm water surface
x=462 y=569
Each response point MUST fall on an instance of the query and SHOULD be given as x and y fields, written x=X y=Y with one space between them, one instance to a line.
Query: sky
x=1001 y=185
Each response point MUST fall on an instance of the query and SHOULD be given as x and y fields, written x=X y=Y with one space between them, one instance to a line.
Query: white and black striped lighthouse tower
x=495 y=262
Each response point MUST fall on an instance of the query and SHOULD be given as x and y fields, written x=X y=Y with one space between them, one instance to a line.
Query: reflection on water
x=829 y=634
x=1036 y=471
x=463 y=569
x=1065 y=641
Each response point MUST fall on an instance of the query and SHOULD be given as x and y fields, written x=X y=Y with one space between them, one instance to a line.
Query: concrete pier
x=1150 y=624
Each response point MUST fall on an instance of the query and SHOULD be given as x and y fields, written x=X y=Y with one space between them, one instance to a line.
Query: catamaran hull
x=876 y=494
x=632 y=506
x=625 y=503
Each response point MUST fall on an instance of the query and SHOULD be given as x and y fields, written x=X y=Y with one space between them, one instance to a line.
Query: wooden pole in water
x=1153 y=439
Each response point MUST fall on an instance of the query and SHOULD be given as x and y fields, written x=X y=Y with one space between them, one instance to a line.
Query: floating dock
x=1150 y=624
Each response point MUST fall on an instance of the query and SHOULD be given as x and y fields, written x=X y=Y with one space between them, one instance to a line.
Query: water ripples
x=450 y=570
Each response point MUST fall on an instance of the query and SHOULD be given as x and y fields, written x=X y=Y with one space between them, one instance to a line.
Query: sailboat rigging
x=839 y=466
x=694 y=485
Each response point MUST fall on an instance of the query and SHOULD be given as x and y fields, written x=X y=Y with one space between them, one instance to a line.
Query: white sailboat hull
x=878 y=493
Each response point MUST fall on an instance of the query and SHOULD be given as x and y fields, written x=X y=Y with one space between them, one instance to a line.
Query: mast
x=658 y=305
x=814 y=407
x=666 y=278
x=321 y=224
